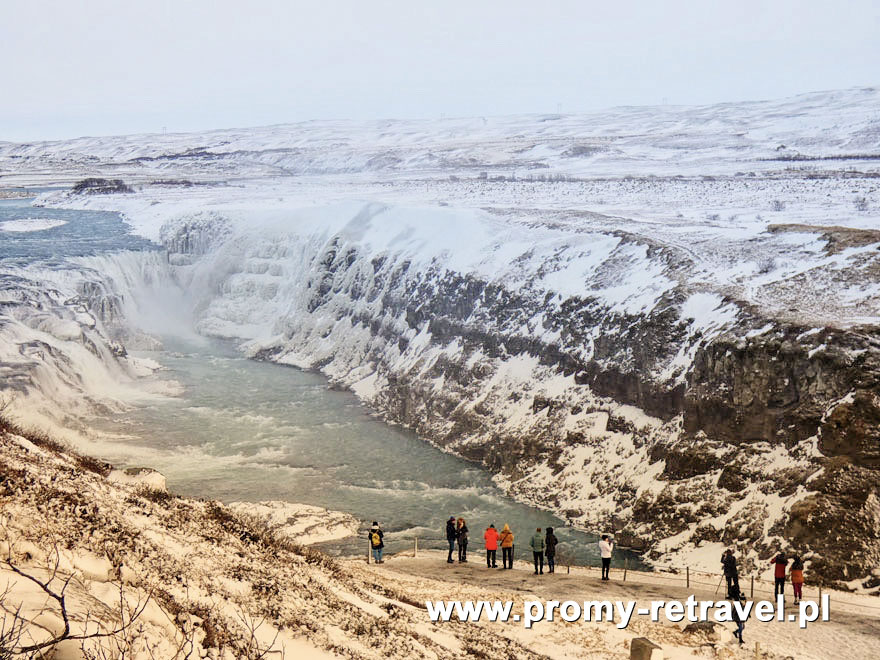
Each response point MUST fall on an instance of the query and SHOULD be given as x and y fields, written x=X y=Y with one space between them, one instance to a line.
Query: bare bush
x=155 y=495
x=253 y=649
x=766 y=265
x=55 y=587
x=11 y=628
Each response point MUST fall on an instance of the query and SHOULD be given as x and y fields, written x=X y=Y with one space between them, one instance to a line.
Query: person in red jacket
x=779 y=574
x=491 y=537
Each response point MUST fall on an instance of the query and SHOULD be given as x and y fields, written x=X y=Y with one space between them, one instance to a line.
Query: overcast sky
x=106 y=67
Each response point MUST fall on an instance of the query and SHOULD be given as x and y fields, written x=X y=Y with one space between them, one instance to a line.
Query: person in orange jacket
x=506 y=547
x=797 y=578
x=491 y=537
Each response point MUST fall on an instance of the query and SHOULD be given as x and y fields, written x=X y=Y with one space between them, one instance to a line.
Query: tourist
x=738 y=599
x=375 y=537
x=779 y=574
x=537 y=544
x=606 y=547
x=461 y=532
x=550 y=543
x=451 y=537
x=506 y=547
x=797 y=578
x=491 y=538
x=728 y=561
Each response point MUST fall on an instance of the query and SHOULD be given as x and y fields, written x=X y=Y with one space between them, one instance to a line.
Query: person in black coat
x=728 y=561
x=738 y=598
x=461 y=530
x=451 y=537
x=550 y=543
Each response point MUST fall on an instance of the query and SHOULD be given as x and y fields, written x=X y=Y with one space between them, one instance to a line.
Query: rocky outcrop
x=97 y=186
x=795 y=386
x=851 y=428
x=778 y=387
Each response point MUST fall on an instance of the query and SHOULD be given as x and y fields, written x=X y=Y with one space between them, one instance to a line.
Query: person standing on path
x=375 y=537
x=461 y=531
x=451 y=536
x=506 y=547
x=606 y=547
x=728 y=561
x=797 y=578
x=491 y=538
x=537 y=545
x=550 y=543
x=779 y=575
x=738 y=599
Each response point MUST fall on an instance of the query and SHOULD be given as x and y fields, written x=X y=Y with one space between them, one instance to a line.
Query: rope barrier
x=687 y=579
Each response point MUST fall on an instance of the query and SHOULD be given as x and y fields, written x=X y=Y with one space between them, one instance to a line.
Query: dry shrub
x=160 y=497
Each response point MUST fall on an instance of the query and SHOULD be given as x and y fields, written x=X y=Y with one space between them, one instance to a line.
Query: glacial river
x=242 y=430
x=250 y=431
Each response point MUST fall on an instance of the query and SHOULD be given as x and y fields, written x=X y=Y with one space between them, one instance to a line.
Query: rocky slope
x=178 y=578
x=147 y=574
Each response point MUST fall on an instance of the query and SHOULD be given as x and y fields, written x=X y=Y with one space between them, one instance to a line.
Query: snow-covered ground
x=300 y=523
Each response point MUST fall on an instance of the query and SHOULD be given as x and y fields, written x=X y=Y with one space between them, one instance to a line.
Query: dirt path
x=429 y=577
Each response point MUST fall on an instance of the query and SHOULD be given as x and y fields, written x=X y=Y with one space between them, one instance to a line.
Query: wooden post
x=625 y=566
x=757 y=651
x=416 y=547
x=688 y=574
x=752 y=588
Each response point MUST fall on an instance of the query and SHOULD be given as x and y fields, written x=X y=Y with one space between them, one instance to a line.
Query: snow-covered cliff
x=587 y=370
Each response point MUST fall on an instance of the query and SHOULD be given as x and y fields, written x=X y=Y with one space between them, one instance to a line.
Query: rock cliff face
x=795 y=387
x=690 y=422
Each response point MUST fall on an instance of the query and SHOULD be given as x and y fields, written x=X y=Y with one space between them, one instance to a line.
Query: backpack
x=375 y=539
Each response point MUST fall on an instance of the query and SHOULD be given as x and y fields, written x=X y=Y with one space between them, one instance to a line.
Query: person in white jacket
x=606 y=547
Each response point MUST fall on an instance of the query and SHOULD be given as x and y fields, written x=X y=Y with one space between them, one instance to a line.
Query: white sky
x=106 y=67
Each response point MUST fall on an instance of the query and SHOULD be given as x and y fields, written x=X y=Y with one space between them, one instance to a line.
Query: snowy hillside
x=657 y=320
x=708 y=140
x=178 y=578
